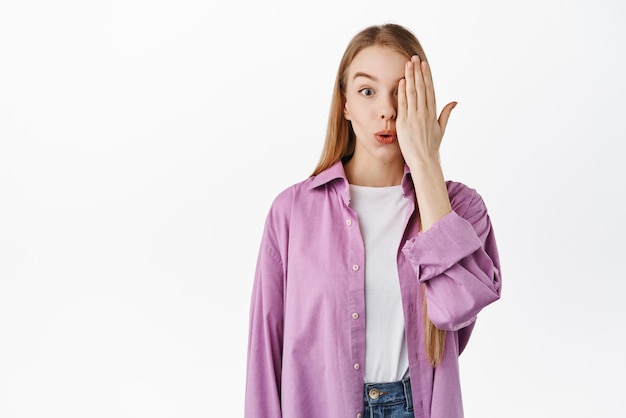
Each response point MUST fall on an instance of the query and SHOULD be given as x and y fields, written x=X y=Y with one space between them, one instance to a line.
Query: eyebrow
x=366 y=75
x=362 y=74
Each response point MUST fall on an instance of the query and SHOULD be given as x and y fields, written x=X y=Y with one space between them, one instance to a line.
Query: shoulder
x=286 y=207
x=465 y=200
x=313 y=187
x=297 y=193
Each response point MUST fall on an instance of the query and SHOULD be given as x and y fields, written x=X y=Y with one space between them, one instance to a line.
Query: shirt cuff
x=444 y=244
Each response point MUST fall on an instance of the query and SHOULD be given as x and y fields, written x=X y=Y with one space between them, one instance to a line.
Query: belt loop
x=407 y=393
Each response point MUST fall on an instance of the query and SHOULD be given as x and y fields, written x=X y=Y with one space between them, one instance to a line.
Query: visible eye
x=366 y=92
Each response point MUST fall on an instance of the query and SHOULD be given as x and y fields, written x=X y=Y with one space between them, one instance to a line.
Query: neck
x=375 y=173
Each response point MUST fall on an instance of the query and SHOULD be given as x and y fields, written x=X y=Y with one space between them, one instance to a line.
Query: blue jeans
x=388 y=400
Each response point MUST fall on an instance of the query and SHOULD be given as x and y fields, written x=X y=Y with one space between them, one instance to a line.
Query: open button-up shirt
x=306 y=348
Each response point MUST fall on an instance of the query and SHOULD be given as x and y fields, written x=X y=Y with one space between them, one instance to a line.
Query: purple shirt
x=306 y=347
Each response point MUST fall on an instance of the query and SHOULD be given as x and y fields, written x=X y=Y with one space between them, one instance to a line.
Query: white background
x=142 y=142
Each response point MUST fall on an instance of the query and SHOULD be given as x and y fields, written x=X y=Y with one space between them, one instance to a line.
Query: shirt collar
x=407 y=182
x=336 y=172
x=333 y=172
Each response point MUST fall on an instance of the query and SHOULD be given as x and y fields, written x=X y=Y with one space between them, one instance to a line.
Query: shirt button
x=357 y=366
x=355 y=267
x=358 y=415
x=348 y=222
x=355 y=315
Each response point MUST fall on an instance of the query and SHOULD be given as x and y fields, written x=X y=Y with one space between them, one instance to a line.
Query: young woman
x=372 y=271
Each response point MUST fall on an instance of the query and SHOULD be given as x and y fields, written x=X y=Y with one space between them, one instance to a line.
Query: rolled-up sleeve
x=457 y=259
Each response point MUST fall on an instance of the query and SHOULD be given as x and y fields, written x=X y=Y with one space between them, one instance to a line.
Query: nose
x=388 y=108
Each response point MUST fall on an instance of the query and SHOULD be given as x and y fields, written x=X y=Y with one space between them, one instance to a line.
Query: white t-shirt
x=382 y=212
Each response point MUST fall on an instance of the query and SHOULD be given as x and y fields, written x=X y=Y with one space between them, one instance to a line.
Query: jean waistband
x=392 y=393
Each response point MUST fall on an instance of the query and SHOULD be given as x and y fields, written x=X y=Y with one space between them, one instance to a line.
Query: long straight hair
x=340 y=139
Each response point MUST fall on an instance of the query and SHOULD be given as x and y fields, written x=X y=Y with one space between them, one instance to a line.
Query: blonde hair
x=340 y=140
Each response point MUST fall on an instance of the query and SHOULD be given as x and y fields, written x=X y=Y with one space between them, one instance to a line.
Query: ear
x=346 y=112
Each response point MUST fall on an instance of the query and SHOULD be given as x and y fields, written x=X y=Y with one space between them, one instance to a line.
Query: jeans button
x=374 y=393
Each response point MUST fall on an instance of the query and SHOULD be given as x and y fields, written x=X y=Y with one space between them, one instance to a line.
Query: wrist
x=425 y=167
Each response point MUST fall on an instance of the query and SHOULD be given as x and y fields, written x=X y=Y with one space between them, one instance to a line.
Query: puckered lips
x=386 y=137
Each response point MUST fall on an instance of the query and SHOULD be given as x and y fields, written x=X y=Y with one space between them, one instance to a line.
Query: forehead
x=379 y=61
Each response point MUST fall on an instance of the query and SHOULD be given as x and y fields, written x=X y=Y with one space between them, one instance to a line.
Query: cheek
x=355 y=111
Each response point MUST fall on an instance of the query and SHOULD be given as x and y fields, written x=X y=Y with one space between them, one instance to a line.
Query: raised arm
x=457 y=259
x=455 y=253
